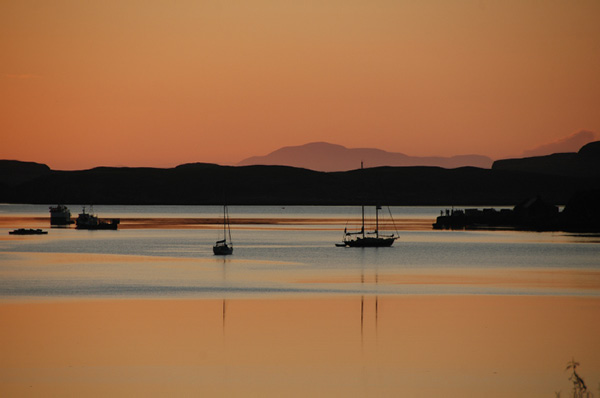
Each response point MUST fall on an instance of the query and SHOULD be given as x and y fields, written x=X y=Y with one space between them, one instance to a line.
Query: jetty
x=581 y=214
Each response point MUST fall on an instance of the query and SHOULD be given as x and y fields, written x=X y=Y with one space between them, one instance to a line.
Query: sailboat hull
x=370 y=242
x=222 y=250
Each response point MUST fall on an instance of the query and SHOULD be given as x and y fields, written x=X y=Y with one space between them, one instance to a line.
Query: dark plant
x=579 y=387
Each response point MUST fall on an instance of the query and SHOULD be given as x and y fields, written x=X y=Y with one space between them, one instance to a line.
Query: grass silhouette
x=579 y=387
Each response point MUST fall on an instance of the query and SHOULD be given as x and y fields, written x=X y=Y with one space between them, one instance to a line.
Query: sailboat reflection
x=362 y=305
x=224 y=305
x=224 y=308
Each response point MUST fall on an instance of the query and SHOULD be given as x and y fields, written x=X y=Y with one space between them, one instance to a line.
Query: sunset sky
x=161 y=83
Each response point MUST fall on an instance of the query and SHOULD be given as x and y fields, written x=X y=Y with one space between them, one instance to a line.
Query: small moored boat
x=60 y=215
x=367 y=239
x=90 y=221
x=24 y=231
x=371 y=238
x=222 y=247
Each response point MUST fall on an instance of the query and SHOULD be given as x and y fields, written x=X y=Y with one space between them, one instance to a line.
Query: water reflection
x=424 y=346
x=315 y=344
x=364 y=258
x=498 y=308
x=224 y=309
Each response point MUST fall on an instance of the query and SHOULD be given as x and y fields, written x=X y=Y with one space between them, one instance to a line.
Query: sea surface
x=149 y=310
x=166 y=251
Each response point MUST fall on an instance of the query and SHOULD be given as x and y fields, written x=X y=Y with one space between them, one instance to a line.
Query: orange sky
x=160 y=83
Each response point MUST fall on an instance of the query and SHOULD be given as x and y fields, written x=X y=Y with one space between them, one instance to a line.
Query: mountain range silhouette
x=323 y=156
x=555 y=177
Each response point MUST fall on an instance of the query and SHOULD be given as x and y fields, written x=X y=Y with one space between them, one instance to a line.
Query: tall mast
x=224 y=223
x=363 y=209
x=377 y=221
x=363 y=220
x=229 y=228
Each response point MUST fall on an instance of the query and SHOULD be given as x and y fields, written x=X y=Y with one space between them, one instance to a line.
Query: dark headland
x=571 y=179
x=555 y=178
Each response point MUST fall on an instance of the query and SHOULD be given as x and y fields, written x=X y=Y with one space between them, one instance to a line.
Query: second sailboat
x=368 y=239
x=222 y=247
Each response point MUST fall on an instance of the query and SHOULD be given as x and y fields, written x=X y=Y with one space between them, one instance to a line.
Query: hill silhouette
x=201 y=183
x=15 y=172
x=556 y=178
x=323 y=156
x=582 y=164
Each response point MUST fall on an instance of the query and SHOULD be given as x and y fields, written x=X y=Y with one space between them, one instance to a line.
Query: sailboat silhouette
x=363 y=238
x=221 y=247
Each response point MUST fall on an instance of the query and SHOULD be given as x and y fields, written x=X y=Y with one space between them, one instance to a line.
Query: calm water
x=148 y=310
x=283 y=251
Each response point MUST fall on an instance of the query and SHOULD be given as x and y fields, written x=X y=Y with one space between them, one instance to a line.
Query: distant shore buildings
x=581 y=214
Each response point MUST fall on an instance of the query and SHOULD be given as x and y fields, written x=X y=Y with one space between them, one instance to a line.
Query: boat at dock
x=90 y=221
x=60 y=215
x=222 y=247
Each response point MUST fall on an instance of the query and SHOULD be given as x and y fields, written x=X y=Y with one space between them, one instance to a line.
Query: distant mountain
x=323 y=156
x=584 y=163
x=570 y=143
